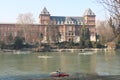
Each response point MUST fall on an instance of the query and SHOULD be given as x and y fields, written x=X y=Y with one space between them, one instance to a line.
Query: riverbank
x=59 y=50
x=81 y=50
x=83 y=77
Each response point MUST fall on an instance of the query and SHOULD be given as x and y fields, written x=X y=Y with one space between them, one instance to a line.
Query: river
x=39 y=65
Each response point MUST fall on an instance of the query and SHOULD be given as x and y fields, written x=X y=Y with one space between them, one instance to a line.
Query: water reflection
x=108 y=63
x=29 y=64
x=109 y=55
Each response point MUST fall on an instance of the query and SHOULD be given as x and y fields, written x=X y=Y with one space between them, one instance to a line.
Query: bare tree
x=105 y=31
x=40 y=37
x=10 y=38
x=25 y=20
x=54 y=32
x=113 y=7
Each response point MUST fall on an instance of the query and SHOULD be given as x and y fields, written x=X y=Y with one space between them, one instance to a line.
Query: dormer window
x=72 y=22
x=58 y=22
x=78 y=22
x=69 y=22
x=61 y=22
x=81 y=23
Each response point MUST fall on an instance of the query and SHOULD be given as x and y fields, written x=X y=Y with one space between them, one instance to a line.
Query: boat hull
x=59 y=74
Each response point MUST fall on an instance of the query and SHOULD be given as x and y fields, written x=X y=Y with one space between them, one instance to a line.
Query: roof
x=89 y=12
x=67 y=20
x=45 y=11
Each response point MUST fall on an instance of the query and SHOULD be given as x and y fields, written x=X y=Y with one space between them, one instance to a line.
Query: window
x=4 y=33
x=69 y=22
x=70 y=28
x=15 y=33
x=66 y=33
x=0 y=33
x=58 y=22
x=72 y=33
x=69 y=34
x=72 y=22
x=61 y=22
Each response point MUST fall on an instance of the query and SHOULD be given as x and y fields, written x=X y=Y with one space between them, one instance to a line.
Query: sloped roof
x=58 y=18
x=45 y=11
x=65 y=20
x=89 y=12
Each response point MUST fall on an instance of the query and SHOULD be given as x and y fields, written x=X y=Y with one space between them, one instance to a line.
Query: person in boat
x=58 y=73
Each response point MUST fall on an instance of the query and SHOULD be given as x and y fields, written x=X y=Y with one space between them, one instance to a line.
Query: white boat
x=85 y=53
x=45 y=57
x=21 y=52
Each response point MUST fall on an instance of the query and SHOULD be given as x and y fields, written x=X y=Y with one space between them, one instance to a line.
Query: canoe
x=60 y=74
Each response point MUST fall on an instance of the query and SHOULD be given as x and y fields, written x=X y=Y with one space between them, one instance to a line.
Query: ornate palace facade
x=69 y=28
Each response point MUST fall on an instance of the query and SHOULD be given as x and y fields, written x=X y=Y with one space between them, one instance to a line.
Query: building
x=68 y=27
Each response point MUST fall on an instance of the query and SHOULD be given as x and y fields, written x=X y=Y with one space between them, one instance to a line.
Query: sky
x=10 y=9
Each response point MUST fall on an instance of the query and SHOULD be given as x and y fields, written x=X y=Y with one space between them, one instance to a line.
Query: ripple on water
x=23 y=77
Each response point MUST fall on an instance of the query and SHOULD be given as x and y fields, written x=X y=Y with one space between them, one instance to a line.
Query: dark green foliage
x=41 y=35
x=10 y=38
x=118 y=45
x=97 y=37
x=18 y=42
x=82 y=36
x=2 y=45
x=40 y=38
x=71 y=43
x=88 y=44
x=97 y=45
x=87 y=34
x=85 y=37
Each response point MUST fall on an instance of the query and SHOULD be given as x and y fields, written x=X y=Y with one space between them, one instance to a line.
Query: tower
x=89 y=19
x=44 y=17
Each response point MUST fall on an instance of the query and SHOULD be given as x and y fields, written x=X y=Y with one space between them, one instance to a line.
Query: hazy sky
x=10 y=9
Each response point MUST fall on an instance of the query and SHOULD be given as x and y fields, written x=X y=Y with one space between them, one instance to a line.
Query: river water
x=39 y=65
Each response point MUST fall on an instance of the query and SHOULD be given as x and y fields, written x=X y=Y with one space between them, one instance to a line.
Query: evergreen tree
x=87 y=34
x=18 y=42
x=85 y=37
x=2 y=44
x=82 y=37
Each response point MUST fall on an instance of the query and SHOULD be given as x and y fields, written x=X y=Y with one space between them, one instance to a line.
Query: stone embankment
x=78 y=50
